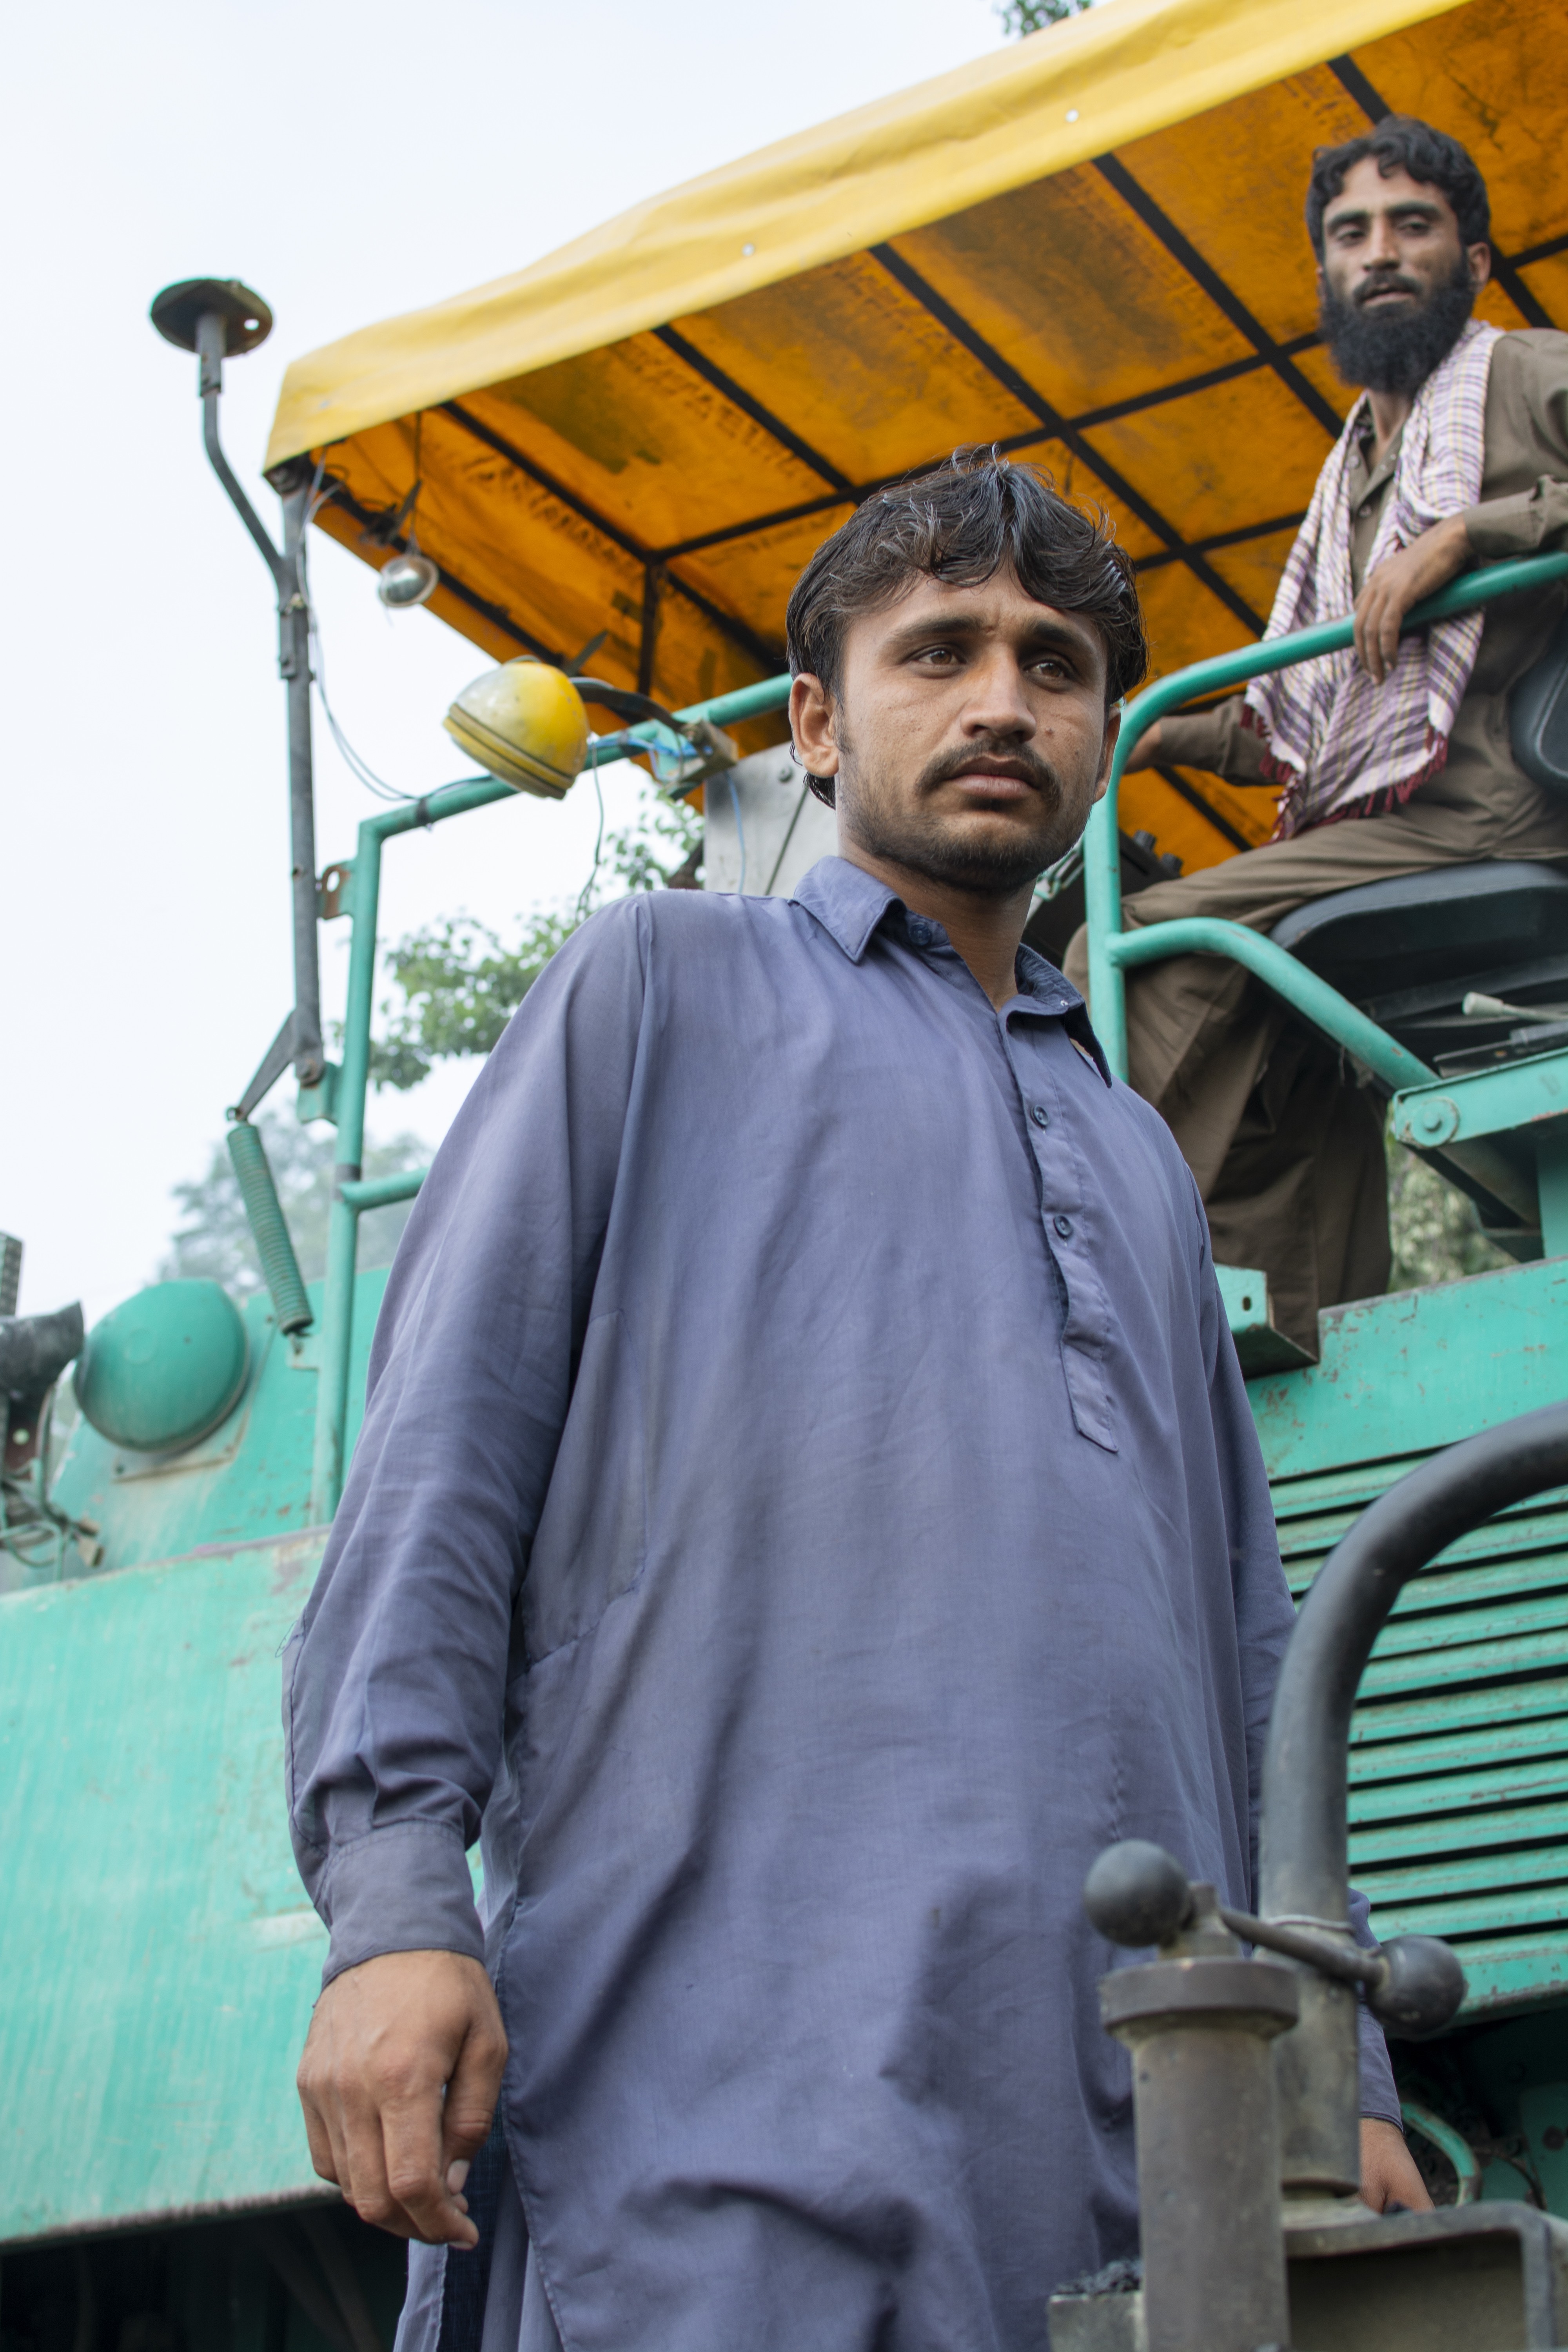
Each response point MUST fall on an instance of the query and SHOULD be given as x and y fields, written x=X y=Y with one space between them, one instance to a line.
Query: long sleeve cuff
x=1216 y=741
x=1521 y=525
x=404 y=1889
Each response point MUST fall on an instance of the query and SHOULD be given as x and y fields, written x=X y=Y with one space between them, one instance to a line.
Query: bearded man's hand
x=1399 y=583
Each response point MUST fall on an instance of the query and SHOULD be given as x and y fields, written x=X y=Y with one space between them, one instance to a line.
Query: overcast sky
x=349 y=162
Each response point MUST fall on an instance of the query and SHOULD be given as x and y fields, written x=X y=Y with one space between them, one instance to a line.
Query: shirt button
x=1063 y=1227
x=1040 y=1115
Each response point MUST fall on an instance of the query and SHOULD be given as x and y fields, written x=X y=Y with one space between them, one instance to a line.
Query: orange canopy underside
x=1140 y=321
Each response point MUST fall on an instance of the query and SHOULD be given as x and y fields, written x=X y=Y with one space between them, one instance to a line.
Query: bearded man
x=1388 y=760
x=807 y=1505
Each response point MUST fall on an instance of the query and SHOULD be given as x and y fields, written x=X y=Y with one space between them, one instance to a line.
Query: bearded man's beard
x=1396 y=352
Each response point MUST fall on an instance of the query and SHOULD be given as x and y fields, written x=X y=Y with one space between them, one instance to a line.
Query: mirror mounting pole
x=212 y=332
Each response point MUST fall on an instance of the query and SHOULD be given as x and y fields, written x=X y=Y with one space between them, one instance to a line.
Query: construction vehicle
x=1085 y=249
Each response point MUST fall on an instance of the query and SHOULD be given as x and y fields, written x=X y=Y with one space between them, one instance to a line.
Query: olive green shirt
x=1522 y=510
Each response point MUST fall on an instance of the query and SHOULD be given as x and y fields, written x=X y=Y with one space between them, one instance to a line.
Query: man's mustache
x=1393 y=283
x=1000 y=759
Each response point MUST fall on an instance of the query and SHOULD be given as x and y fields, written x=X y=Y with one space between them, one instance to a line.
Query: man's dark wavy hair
x=974 y=516
x=1400 y=142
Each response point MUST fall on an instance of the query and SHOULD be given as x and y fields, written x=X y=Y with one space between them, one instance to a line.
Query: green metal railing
x=353 y=1194
x=1111 y=950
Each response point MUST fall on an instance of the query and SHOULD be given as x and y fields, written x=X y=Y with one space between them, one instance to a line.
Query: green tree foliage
x=1436 y=1235
x=213 y=1238
x=1021 y=17
x=459 y=983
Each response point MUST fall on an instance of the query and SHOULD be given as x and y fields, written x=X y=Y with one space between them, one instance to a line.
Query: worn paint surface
x=1458 y=1798
x=158 y=1954
x=248 y=1479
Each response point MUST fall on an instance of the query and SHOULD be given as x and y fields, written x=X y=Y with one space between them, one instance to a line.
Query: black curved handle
x=633 y=709
x=1138 y=1895
x=1304 y=1865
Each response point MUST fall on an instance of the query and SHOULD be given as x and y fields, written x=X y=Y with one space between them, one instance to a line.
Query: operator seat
x=1410 y=950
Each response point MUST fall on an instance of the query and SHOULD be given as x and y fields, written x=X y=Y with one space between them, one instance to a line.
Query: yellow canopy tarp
x=1087 y=248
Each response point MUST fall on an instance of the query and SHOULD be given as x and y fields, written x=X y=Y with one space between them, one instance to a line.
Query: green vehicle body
x=158 y=1956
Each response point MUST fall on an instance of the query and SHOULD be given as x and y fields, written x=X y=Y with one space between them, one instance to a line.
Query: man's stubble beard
x=1396 y=354
x=937 y=847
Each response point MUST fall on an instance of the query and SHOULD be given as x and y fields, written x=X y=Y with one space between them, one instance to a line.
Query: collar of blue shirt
x=851 y=905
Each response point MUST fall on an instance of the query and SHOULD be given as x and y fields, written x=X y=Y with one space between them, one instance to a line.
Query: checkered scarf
x=1339 y=744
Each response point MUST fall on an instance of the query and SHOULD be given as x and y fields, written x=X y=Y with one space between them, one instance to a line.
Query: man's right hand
x=399 y=2080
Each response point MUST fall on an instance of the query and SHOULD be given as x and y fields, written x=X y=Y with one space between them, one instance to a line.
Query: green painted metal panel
x=1413 y=1637
x=248 y=1479
x=1455 y=1916
x=1517 y=1097
x=1304 y=1543
x=1400 y=1759
x=1459 y=1747
x=1514 y=1969
x=1462 y=1877
x=1502 y=1784
x=157 y=1951
x=1401 y=1375
x=1543 y=1827
x=1449 y=1710
x=1466 y=1661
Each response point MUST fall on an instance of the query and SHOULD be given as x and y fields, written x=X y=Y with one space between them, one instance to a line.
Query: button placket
x=1061 y=1173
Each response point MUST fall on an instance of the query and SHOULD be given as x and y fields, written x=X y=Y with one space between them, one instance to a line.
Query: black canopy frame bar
x=750 y=406
x=1057 y=428
x=1009 y=444
x=755 y=648
x=1194 y=799
x=1116 y=175
x=497 y=615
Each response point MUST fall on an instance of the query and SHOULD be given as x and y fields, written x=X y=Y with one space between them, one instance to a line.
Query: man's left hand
x=1401 y=581
x=1388 y=2173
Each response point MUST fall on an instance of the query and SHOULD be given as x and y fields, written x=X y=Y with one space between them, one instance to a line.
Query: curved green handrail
x=1110 y=948
x=354 y=1193
x=1453 y=2144
x=1278 y=968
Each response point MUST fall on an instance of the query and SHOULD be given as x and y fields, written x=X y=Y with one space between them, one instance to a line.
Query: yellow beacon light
x=525 y=723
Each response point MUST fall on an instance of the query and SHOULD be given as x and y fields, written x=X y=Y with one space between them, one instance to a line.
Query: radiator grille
x=1459 y=1768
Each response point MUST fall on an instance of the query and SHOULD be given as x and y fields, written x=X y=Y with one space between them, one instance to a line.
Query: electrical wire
x=739 y=831
x=361 y=768
x=358 y=767
x=31 y=1523
x=587 y=890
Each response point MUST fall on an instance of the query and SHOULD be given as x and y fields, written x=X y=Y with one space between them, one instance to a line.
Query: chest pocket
x=593 y=1531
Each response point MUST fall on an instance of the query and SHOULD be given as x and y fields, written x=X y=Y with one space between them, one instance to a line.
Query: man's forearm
x=1526 y=524
x=1215 y=740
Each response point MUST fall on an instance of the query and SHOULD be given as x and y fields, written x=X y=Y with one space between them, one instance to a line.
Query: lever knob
x=1137 y=1894
x=1421 y=1991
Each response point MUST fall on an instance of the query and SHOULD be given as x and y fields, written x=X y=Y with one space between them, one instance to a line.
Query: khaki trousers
x=1287 y=1149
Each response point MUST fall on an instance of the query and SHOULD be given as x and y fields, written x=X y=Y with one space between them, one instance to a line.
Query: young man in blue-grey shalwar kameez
x=808 y=1506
